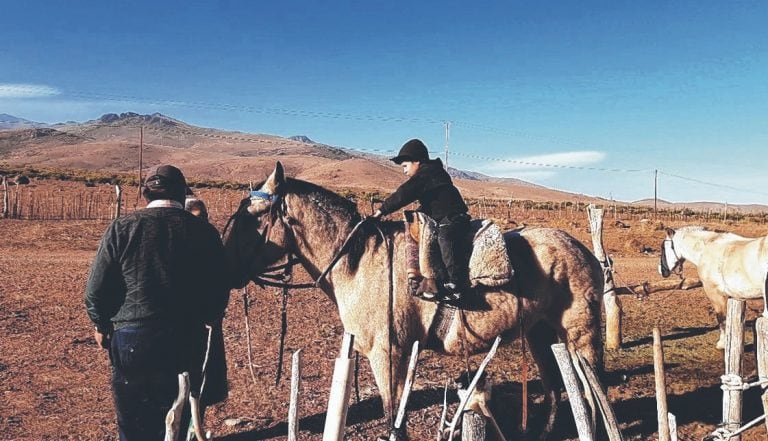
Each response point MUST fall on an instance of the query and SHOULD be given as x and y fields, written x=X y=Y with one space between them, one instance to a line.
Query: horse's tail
x=587 y=284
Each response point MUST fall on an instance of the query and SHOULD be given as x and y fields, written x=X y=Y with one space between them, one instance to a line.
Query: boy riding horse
x=429 y=183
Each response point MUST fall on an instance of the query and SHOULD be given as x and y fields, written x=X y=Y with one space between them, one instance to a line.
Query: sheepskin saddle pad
x=489 y=263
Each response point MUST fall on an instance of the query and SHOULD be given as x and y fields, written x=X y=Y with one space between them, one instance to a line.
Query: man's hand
x=103 y=340
x=376 y=215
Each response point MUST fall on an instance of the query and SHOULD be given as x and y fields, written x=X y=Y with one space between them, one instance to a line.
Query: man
x=430 y=184
x=158 y=278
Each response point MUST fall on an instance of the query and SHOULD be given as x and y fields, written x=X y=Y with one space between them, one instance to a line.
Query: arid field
x=55 y=381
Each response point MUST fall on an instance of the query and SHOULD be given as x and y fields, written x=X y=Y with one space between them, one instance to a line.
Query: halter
x=678 y=266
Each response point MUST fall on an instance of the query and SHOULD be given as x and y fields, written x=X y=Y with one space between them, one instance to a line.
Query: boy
x=429 y=183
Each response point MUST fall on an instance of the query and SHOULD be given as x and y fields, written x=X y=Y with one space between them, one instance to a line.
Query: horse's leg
x=540 y=338
x=720 y=305
x=390 y=398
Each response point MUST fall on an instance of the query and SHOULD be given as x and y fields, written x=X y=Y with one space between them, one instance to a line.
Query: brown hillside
x=111 y=144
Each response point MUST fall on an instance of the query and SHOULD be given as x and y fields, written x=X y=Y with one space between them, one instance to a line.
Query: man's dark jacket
x=158 y=266
x=432 y=187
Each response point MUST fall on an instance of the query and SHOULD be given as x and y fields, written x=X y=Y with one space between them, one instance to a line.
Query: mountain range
x=112 y=142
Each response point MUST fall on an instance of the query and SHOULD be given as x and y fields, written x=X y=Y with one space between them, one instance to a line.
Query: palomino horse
x=557 y=289
x=729 y=265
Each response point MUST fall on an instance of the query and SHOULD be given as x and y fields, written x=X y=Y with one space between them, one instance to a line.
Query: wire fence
x=99 y=202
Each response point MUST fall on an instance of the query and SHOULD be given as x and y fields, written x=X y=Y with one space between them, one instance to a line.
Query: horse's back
x=553 y=253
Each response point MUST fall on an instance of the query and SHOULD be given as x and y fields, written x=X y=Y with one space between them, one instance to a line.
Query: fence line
x=99 y=203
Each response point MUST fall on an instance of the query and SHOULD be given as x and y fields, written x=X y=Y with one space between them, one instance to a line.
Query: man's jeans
x=145 y=366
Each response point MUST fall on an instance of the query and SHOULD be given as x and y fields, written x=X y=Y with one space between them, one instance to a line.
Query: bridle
x=677 y=268
x=280 y=275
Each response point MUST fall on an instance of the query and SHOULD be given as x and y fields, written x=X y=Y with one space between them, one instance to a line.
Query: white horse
x=729 y=265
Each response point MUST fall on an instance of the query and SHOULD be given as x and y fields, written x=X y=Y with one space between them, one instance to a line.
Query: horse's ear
x=670 y=233
x=276 y=179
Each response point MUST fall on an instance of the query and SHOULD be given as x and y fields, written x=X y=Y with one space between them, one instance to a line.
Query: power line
x=712 y=184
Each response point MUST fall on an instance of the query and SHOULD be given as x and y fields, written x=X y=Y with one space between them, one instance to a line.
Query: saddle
x=489 y=263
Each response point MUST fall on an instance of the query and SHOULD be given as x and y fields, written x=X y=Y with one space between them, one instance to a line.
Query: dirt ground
x=55 y=381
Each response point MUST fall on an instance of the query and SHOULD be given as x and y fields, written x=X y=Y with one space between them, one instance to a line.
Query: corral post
x=473 y=426
x=338 y=401
x=734 y=356
x=5 y=197
x=761 y=344
x=661 y=386
x=119 y=200
x=762 y=358
x=672 y=426
x=575 y=397
x=610 y=300
x=293 y=407
x=173 y=418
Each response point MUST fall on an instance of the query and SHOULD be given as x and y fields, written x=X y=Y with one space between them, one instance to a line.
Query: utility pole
x=141 y=164
x=447 y=137
x=655 y=191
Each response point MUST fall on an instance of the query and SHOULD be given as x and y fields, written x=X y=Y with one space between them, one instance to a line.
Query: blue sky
x=588 y=97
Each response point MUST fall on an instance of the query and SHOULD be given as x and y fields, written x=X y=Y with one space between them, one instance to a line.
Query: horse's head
x=259 y=235
x=671 y=261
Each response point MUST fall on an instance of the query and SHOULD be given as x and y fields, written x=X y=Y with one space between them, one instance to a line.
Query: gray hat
x=413 y=150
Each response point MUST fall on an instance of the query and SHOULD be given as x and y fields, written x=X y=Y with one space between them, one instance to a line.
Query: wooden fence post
x=661 y=386
x=610 y=300
x=293 y=407
x=338 y=401
x=761 y=344
x=173 y=418
x=5 y=197
x=575 y=396
x=118 y=200
x=734 y=357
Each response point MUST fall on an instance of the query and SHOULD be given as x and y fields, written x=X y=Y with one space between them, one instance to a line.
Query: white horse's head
x=671 y=261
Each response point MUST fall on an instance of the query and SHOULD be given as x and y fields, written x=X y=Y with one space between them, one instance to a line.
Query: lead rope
x=524 y=372
x=287 y=276
x=248 y=334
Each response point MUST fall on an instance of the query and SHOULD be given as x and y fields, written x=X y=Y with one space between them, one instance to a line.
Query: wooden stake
x=173 y=418
x=734 y=357
x=609 y=417
x=341 y=386
x=610 y=300
x=293 y=407
x=761 y=337
x=408 y=384
x=575 y=397
x=472 y=385
x=661 y=386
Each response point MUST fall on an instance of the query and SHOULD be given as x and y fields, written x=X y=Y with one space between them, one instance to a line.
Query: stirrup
x=426 y=295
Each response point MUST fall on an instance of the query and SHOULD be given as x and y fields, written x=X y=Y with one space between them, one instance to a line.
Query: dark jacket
x=158 y=266
x=432 y=187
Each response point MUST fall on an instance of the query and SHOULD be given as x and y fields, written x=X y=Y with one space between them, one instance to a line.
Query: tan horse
x=729 y=265
x=557 y=291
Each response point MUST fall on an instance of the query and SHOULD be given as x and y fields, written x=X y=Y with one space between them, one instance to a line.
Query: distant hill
x=10 y=122
x=111 y=143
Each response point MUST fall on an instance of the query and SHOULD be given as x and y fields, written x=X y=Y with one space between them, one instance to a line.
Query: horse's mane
x=344 y=209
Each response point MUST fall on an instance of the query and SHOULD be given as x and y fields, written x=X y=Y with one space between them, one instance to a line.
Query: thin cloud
x=541 y=166
x=15 y=90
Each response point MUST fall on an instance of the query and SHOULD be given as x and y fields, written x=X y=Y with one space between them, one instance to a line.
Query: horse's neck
x=322 y=235
x=691 y=245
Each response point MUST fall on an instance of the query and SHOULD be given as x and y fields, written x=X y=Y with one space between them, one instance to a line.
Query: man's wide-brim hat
x=413 y=150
